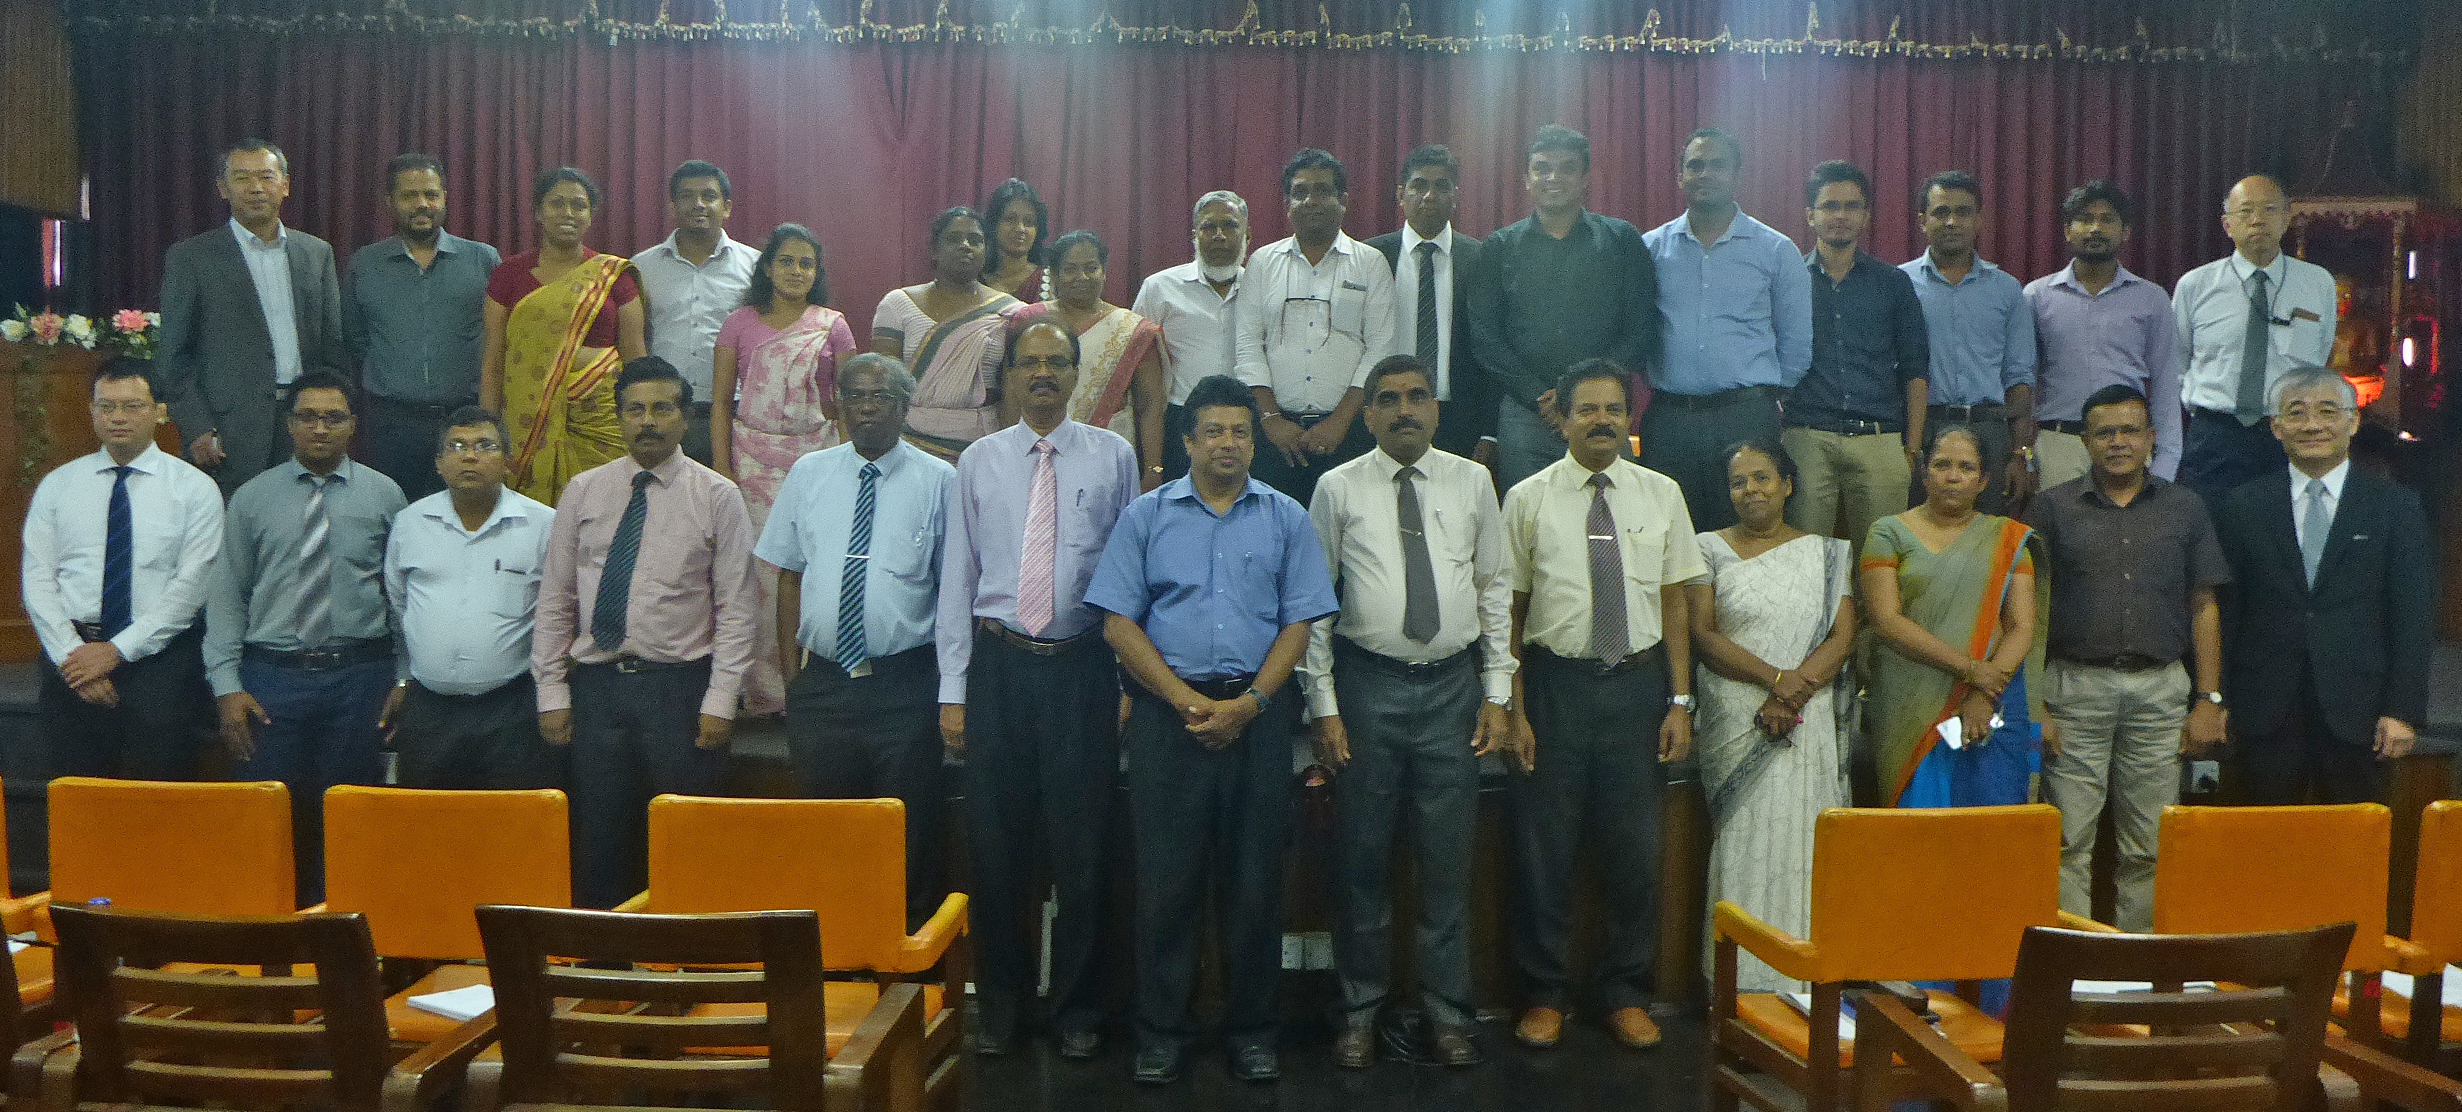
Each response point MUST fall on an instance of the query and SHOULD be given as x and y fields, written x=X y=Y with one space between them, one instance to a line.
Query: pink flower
x=47 y=326
x=129 y=320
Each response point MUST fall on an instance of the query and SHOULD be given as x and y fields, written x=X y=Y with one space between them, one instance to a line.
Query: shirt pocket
x=516 y=593
x=1644 y=548
x=358 y=539
x=2304 y=340
x=1350 y=309
x=1451 y=542
x=905 y=552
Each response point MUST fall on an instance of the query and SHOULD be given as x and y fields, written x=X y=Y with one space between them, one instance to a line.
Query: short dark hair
x=696 y=168
x=1589 y=370
x=1721 y=135
x=407 y=162
x=1768 y=446
x=1403 y=364
x=1311 y=158
x=468 y=416
x=764 y=289
x=1009 y=193
x=1933 y=435
x=121 y=368
x=650 y=368
x=1220 y=390
x=2118 y=393
x=319 y=378
x=1947 y=179
x=1431 y=154
x=1836 y=172
x=1557 y=137
x=547 y=182
x=1061 y=247
x=2100 y=189
x=1018 y=329
x=952 y=215
x=222 y=166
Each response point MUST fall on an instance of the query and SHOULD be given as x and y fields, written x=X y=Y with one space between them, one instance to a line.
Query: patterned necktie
x=1610 y=638
x=119 y=557
x=1419 y=615
x=615 y=584
x=2250 y=405
x=2315 y=522
x=851 y=650
x=1034 y=571
x=1427 y=304
x=315 y=567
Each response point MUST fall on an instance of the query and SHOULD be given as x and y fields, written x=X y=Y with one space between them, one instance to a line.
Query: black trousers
x=2298 y=754
x=872 y=738
x=1209 y=818
x=1300 y=482
x=1410 y=738
x=2218 y=453
x=633 y=737
x=488 y=741
x=401 y=442
x=1688 y=444
x=154 y=733
x=1042 y=760
x=1175 y=444
x=1598 y=773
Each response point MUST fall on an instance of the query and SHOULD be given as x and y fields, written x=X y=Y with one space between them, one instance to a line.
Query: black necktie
x=615 y=583
x=1427 y=305
x=1419 y=616
x=119 y=558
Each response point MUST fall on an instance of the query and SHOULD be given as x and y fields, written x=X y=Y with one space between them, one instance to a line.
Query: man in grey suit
x=246 y=309
x=1433 y=262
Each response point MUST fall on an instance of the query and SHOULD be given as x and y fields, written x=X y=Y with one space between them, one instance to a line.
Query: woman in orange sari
x=560 y=322
x=1120 y=374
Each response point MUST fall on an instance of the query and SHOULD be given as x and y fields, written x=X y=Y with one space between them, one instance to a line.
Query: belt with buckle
x=631 y=665
x=322 y=660
x=1719 y=400
x=1989 y=410
x=1594 y=665
x=2127 y=662
x=992 y=628
x=2073 y=428
x=1222 y=689
x=1349 y=651
x=1852 y=426
x=90 y=632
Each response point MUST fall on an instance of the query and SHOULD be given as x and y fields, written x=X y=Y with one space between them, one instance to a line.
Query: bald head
x=2255 y=215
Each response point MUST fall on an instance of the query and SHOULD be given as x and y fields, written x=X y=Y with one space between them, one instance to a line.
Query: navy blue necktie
x=615 y=582
x=119 y=558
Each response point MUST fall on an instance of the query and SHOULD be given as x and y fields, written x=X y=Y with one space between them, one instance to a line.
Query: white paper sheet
x=1802 y=1002
x=459 y=1005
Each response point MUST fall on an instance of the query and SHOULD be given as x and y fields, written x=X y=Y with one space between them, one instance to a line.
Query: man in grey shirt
x=298 y=640
x=412 y=305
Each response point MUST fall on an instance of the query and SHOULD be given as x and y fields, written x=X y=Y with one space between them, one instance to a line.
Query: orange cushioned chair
x=2426 y=1027
x=845 y=859
x=32 y=965
x=1897 y=894
x=418 y=864
x=217 y=849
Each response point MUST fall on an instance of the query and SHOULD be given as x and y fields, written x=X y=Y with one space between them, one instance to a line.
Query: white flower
x=154 y=319
x=80 y=331
x=12 y=330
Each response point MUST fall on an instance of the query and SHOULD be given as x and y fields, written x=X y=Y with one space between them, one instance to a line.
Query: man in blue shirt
x=1983 y=339
x=1735 y=325
x=413 y=310
x=1210 y=583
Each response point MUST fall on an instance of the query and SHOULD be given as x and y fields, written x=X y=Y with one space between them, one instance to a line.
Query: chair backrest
x=603 y=1045
x=1931 y=894
x=2279 y=988
x=195 y=849
x=2436 y=898
x=2225 y=870
x=310 y=1032
x=847 y=862
x=417 y=862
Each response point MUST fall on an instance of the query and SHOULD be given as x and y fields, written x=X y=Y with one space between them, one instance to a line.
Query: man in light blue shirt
x=1983 y=339
x=866 y=519
x=1735 y=328
x=692 y=280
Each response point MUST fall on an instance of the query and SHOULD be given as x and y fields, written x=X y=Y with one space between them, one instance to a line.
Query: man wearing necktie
x=1601 y=550
x=2326 y=619
x=114 y=596
x=856 y=538
x=299 y=641
x=1028 y=691
x=1432 y=263
x=1408 y=687
x=2245 y=321
x=646 y=621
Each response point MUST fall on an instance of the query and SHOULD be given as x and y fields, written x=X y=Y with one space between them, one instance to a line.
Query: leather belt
x=2127 y=662
x=992 y=628
x=1990 y=410
x=2073 y=428
x=322 y=660
x=1720 y=400
x=1595 y=666
x=633 y=665
x=1852 y=426
x=1221 y=689
x=89 y=632
x=1349 y=651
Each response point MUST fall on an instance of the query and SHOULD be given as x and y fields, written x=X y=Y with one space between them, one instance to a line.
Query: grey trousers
x=2119 y=746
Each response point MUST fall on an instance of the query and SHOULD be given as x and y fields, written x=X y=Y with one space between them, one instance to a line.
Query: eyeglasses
x=1055 y=362
x=133 y=409
x=322 y=420
x=869 y=397
x=465 y=447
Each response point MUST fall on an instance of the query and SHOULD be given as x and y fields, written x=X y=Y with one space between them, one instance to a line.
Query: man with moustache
x=298 y=639
x=1320 y=315
x=462 y=571
x=1028 y=692
x=2245 y=321
x=866 y=520
x=413 y=308
x=1735 y=328
x=644 y=632
x=692 y=280
x=2097 y=325
x=1209 y=585
x=1432 y=262
x=1194 y=303
x=247 y=308
x=1395 y=687
x=113 y=596
x=1983 y=338
x=1601 y=548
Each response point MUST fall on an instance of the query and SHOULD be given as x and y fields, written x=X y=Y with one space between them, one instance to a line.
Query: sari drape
x=559 y=396
x=1108 y=354
x=956 y=364
x=1956 y=595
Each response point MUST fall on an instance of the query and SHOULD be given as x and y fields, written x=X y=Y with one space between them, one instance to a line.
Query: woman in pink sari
x=777 y=363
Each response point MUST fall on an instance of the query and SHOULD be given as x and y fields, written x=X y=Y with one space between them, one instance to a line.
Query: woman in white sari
x=1120 y=374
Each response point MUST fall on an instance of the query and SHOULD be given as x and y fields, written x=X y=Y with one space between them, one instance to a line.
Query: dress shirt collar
x=349 y=470
x=898 y=457
x=2275 y=271
x=1193 y=273
x=508 y=508
x=2068 y=277
x=1411 y=240
x=282 y=236
x=2093 y=495
x=1865 y=262
x=1742 y=227
x=446 y=244
x=1343 y=245
x=1184 y=489
x=2333 y=482
x=725 y=244
x=1980 y=267
x=1568 y=472
x=1060 y=436
x=1387 y=467
x=667 y=471
x=148 y=462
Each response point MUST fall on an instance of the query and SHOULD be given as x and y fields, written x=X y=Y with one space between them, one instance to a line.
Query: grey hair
x=892 y=372
x=2309 y=378
x=1220 y=197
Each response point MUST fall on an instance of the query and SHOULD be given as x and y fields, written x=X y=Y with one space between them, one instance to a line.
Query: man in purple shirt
x=2098 y=325
x=1022 y=651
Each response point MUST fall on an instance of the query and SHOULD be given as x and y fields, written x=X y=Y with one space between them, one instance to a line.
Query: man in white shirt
x=2246 y=320
x=1432 y=263
x=1319 y=314
x=462 y=575
x=1394 y=686
x=1193 y=304
x=113 y=595
x=692 y=280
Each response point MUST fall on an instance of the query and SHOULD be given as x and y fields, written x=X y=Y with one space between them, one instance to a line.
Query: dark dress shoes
x=1355 y=1047
x=1452 y=1046
x=1157 y=1065
x=1079 y=1044
x=1255 y=1063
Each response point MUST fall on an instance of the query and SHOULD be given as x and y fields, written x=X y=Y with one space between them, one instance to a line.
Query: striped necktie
x=1610 y=634
x=613 y=609
x=852 y=651
x=1035 y=578
x=315 y=567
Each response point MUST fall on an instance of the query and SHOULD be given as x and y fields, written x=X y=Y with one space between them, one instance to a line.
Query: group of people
x=1378 y=496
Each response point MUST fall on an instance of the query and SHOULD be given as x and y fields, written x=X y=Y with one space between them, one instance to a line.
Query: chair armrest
x=922 y=949
x=2383 y=1077
x=2081 y=923
x=881 y=1065
x=19 y=914
x=639 y=903
x=317 y=908
x=418 y=1080
x=2410 y=958
x=43 y=1074
x=1783 y=952
x=2336 y=1091
x=1884 y=1030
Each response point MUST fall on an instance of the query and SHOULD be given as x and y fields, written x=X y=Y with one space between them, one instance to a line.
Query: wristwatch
x=1505 y=701
x=2028 y=454
x=1685 y=701
x=2214 y=697
x=1260 y=698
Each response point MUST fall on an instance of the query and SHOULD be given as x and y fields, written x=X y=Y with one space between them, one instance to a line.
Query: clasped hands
x=1296 y=443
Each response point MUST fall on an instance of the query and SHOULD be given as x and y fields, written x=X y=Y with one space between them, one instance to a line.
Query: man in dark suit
x=2325 y=622
x=1431 y=298
x=246 y=309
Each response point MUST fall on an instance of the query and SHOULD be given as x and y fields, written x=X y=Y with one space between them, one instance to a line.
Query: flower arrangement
x=129 y=331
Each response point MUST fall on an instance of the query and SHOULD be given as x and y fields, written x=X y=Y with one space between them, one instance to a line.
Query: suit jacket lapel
x=235 y=260
x=303 y=289
x=2350 y=516
x=2284 y=535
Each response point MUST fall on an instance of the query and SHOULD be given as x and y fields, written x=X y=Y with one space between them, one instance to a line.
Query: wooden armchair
x=2428 y=1029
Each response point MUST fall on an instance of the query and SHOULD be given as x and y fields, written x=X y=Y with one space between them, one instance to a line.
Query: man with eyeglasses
x=646 y=619
x=298 y=639
x=462 y=573
x=2245 y=321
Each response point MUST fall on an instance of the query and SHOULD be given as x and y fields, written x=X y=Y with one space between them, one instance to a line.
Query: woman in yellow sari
x=948 y=332
x=561 y=322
